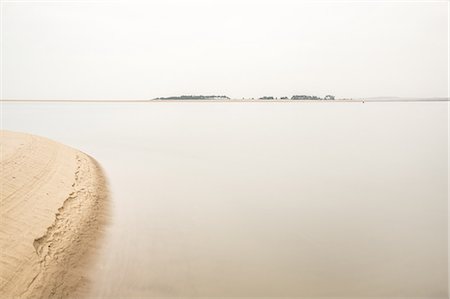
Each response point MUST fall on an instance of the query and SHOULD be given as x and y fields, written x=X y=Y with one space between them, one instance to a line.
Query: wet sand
x=52 y=208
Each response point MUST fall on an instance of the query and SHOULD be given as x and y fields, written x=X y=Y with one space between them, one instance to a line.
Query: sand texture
x=52 y=211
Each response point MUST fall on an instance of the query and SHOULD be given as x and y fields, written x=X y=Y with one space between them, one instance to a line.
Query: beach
x=53 y=201
x=224 y=149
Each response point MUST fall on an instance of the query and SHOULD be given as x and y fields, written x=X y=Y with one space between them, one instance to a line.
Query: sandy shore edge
x=53 y=210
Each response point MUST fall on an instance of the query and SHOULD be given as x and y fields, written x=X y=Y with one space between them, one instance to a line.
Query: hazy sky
x=245 y=48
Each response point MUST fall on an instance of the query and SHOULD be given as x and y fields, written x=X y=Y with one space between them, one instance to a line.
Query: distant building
x=266 y=98
x=329 y=97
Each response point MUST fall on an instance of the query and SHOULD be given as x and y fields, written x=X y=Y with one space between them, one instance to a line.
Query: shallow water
x=263 y=199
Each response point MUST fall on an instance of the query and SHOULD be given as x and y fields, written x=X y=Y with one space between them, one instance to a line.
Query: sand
x=52 y=212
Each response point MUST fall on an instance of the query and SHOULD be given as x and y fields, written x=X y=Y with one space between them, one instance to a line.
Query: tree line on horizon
x=194 y=97
x=222 y=97
x=299 y=97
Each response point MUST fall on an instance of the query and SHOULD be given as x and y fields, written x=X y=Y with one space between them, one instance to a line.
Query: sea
x=262 y=199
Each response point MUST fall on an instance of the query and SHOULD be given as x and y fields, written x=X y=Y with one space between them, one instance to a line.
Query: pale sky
x=245 y=48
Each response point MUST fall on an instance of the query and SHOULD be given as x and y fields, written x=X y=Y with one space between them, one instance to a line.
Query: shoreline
x=53 y=202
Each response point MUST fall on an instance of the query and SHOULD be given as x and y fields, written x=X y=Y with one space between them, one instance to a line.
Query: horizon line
x=368 y=99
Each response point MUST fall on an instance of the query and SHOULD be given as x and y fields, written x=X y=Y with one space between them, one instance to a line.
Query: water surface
x=263 y=199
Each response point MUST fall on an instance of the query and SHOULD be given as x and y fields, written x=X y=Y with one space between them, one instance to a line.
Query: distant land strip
x=397 y=100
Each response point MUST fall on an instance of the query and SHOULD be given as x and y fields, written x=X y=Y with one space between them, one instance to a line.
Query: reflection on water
x=263 y=199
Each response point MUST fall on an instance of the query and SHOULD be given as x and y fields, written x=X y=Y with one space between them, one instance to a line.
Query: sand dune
x=52 y=211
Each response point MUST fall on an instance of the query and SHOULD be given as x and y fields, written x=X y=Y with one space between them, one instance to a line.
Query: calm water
x=263 y=199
